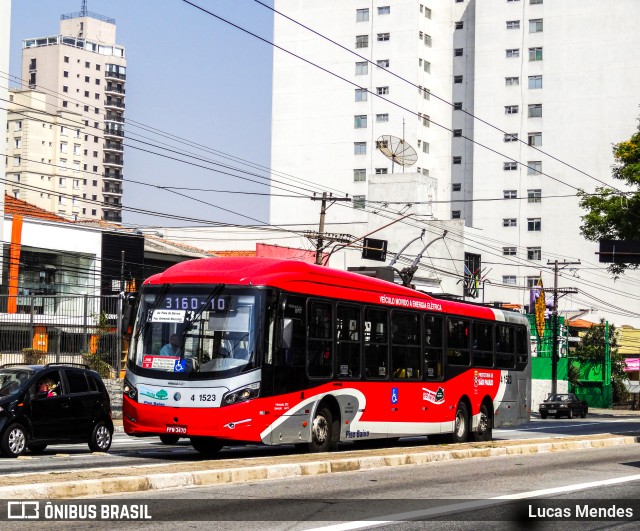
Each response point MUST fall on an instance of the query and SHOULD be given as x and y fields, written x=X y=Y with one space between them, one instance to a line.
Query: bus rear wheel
x=206 y=445
x=485 y=429
x=461 y=424
x=321 y=431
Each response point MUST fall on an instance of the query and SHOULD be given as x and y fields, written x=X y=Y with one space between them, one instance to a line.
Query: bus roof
x=301 y=277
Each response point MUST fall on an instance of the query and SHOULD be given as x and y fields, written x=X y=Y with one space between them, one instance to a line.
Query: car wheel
x=36 y=448
x=101 y=437
x=461 y=424
x=321 y=431
x=583 y=414
x=206 y=445
x=570 y=414
x=14 y=441
x=169 y=439
x=543 y=416
x=485 y=429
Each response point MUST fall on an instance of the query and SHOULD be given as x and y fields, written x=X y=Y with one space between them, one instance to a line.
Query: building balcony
x=112 y=174
x=114 y=88
x=109 y=145
x=113 y=131
x=112 y=160
x=112 y=216
x=110 y=117
x=115 y=75
x=114 y=103
x=111 y=189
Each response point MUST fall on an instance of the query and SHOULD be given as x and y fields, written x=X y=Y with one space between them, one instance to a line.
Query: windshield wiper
x=151 y=309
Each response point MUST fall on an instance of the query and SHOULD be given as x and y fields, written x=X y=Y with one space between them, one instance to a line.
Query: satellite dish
x=397 y=150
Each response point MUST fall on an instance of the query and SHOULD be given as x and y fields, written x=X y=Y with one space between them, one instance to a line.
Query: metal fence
x=68 y=328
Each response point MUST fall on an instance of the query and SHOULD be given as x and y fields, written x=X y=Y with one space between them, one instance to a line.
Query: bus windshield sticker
x=382 y=371
x=344 y=370
x=180 y=366
x=165 y=363
x=168 y=316
x=433 y=397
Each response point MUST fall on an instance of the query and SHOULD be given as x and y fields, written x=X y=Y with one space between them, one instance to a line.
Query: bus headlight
x=241 y=395
x=130 y=391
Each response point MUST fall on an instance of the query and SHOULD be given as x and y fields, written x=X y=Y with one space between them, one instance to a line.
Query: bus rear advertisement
x=245 y=350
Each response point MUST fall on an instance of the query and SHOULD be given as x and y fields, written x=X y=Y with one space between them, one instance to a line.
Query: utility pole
x=323 y=211
x=554 y=349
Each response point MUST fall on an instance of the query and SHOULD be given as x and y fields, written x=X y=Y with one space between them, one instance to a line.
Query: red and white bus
x=239 y=350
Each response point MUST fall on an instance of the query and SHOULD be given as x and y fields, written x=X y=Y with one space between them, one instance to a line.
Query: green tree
x=612 y=215
x=591 y=349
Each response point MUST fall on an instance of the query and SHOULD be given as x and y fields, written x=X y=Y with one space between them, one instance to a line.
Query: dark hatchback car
x=563 y=405
x=52 y=404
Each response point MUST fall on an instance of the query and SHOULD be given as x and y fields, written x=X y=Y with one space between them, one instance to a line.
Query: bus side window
x=295 y=355
x=433 y=347
x=348 y=344
x=405 y=345
x=458 y=341
x=320 y=343
x=376 y=344
x=505 y=347
x=482 y=344
x=522 y=350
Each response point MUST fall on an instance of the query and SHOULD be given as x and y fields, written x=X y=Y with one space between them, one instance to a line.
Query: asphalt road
x=131 y=451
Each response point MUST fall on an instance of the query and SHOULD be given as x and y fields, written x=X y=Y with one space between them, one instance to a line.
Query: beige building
x=45 y=155
x=82 y=70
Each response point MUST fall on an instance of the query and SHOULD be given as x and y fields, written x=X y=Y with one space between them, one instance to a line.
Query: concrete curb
x=105 y=486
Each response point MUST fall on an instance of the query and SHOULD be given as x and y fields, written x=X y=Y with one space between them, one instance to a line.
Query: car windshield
x=558 y=398
x=197 y=329
x=11 y=381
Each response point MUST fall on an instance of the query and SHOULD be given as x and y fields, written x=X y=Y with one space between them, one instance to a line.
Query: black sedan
x=563 y=405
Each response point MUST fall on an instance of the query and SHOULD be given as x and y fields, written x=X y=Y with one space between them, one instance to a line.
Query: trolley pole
x=554 y=348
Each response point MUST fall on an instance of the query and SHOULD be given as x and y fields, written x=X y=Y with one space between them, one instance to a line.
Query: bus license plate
x=552 y=411
x=177 y=430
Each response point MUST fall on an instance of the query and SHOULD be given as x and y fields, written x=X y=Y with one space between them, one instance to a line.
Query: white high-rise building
x=511 y=106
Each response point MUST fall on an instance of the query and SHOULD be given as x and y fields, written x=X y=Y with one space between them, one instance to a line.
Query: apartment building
x=45 y=155
x=510 y=105
x=83 y=70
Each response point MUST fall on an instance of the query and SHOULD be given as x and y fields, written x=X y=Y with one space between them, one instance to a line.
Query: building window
x=86 y=93
x=427 y=40
x=384 y=63
x=63 y=147
x=426 y=120
x=513 y=52
x=535 y=139
x=534 y=224
x=532 y=282
x=98 y=68
x=426 y=66
x=87 y=64
x=17 y=143
x=362 y=41
x=511 y=137
x=66 y=58
x=534 y=253
x=459 y=25
x=509 y=279
x=86 y=79
x=384 y=10
x=455 y=214
x=456 y=187
x=510 y=194
x=17 y=125
x=513 y=24
x=382 y=171
x=383 y=37
x=359 y=148
x=534 y=167
x=65 y=88
x=359 y=175
x=510 y=166
x=95 y=183
x=382 y=90
x=358 y=201
x=535 y=25
x=509 y=251
x=62 y=200
x=427 y=12
x=425 y=147
x=534 y=196
x=535 y=54
x=458 y=52
x=17 y=160
x=62 y=182
x=360 y=121
x=362 y=68
x=509 y=222
x=512 y=81
x=362 y=15
x=361 y=94
x=532 y=2
x=511 y=109
x=457 y=132
x=65 y=73
x=382 y=117
x=535 y=110
x=457 y=79
x=93 y=211
x=457 y=160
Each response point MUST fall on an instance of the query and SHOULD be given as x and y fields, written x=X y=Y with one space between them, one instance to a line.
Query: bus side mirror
x=129 y=312
x=287 y=333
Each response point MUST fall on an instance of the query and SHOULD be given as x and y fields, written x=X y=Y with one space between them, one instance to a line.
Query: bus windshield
x=204 y=330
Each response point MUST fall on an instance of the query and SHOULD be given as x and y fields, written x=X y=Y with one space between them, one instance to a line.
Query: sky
x=188 y=75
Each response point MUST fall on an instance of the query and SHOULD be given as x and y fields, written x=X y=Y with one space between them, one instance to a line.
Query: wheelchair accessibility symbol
x=394 y=395
x=180 y=366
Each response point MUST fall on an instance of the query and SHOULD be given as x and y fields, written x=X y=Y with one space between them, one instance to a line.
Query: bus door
x=382 y=396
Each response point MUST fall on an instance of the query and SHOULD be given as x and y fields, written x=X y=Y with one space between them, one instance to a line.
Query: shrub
x=96 y=363
x=33 y=356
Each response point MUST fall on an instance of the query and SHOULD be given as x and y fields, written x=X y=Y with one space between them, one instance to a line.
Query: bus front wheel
x=461 y=425
x=321 y=431
x=206 y=445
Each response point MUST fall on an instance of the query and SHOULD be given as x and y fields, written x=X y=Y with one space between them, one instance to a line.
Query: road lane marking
x=466 y=506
